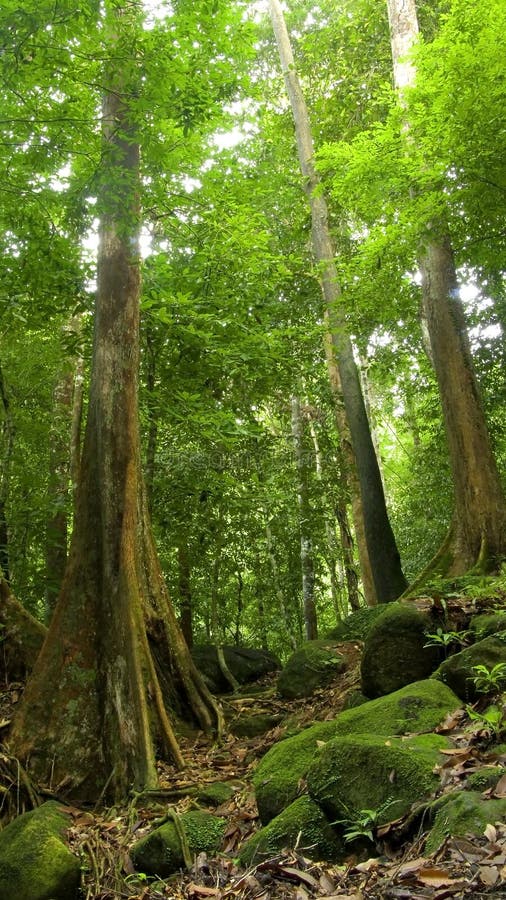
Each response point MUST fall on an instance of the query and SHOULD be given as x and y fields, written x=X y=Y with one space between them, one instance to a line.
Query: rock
x=368 y=771
x=355 y=698
x=251 y=726
x=312 y=666
x=356 y=627
x=35 y=862
x=416 y=707
x=160 y=852
x=245 y=664
x=461 y=813
x=394 y=651
x=487 y=624
x=302 y=824
x=484 y=778
x=457 y=671
x=216 y=793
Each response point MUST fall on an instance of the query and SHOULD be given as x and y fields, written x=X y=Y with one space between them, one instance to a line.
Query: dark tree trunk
x=306 y=543
x=85 y=722
x=384 y=557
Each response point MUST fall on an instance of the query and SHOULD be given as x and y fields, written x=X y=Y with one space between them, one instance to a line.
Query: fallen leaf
x=201 y=890
x=305 y=877
x=489 y=875
x=367 y=865
x=412 y=866
x=327 y=885
x=5 y=722
x=491 y=833
x=499 y=790
x=435 y=877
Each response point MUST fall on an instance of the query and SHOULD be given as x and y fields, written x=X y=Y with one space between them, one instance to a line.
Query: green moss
x=484 y=778
x=373 y=772
x=309 y=668
x=395 y=653
x=487 y=624
x=160 y=852
x=215 y=794
x=465 y=812
x=457 y=671
x=35 y=863
x=417 y=707
x=356 y=627
x=302 y=824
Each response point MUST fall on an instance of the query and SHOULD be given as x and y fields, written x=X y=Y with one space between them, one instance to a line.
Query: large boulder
x=415 y=708
x=357 y=626
x=161 y=852
x=35 y=862
x=485 y=624
x=458 y=673
x=395 y=651
x=462 y=813
x=302 y=824
x=245 y=663
x=369 y=771
x=312 y=666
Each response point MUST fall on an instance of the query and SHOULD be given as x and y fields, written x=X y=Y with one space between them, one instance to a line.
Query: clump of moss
x=311 y=666
x=395 y=651
x=458 y=673
x=465 y=812
x=35 y=862
x=302 y=824
x=484 y=778
x=486 y=624
x=355 y=772
x=417 y=707
x=356 y=626
x=216 y=793
x=161 y=852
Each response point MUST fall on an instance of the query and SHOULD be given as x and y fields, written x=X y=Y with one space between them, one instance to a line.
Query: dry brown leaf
x=499 y=790
x=489 y=875
x=367 y=866
x=305 y=877
x=327 y=885
x=301 y=894
x=412 y=866
x=435 y=878
x=491 y=833
x=200 y=890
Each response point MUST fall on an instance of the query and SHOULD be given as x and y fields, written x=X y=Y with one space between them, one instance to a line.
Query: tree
x=84 y=719
x=382 y=550
x=477 y=535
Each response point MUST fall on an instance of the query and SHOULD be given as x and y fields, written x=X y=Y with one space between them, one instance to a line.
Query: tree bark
x=384 y=557
x=5 y=474
x=477 y=535
x=94 y=706
x=306 y=543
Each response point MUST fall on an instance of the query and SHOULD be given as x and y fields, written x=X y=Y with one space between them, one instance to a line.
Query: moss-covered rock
x=395 y=653
x=303 y=824
x=457 y=671
x=461 y=813
x=245 y=663
x=484 y=778
x=416 y=708
x=365 y=771
x=160 y=852
x=487 y=624
x=356 y=626
x=216 y=793
x=355 y=698
x=312 y=666
x=35 y=862
x=251 y=726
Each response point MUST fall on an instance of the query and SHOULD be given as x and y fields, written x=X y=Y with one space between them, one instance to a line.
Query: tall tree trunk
x=7 y=433
x=84 y=721
x=384 y=557
x=152 y=416
x=477 y=535
x=185 y=593
x=306 y=543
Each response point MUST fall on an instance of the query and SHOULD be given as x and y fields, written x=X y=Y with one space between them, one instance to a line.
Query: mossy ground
x=417 y=707
x=373 y=772
x=302 y=824
x=35 y=863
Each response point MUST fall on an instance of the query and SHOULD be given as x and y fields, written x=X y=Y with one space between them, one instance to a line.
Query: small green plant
x=490 y=681
x=360 y=824
x=445 y=639
x=490 y=719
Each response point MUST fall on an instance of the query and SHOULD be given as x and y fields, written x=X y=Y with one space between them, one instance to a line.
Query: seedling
x=490 y=719
x=445 y=639
x=360 y=824
x=490 y=681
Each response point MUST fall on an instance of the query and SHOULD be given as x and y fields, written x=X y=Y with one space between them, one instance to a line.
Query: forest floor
x=394 y=867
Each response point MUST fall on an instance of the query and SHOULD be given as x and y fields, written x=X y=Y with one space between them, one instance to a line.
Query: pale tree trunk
x=306 y=544
x=477 y=536
x=384 y=557
x=94 y=706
